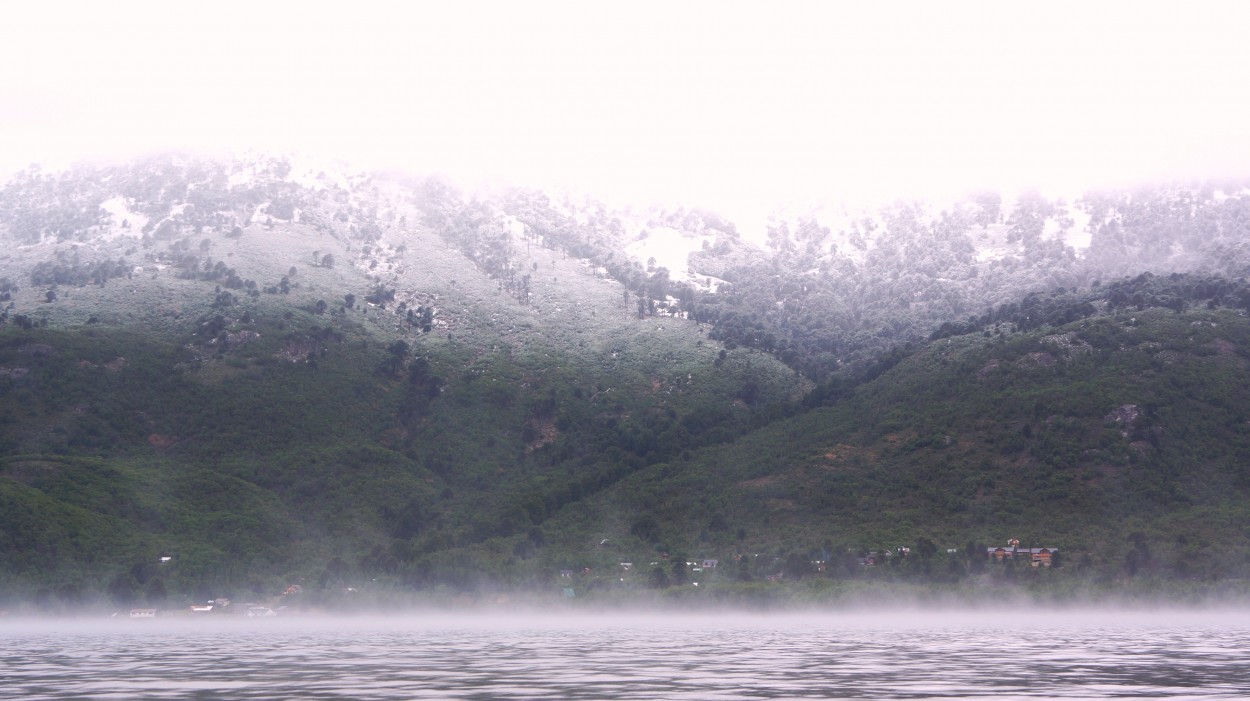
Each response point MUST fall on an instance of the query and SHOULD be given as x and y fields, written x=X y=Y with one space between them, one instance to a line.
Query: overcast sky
x=711 y=102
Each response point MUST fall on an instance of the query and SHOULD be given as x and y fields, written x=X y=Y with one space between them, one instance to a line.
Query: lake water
x=1024 y=653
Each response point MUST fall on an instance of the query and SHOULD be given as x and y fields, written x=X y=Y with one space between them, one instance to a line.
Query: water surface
x=1018 y=654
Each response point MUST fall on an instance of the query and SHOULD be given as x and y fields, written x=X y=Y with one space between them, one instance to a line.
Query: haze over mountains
x=703 y=104
x=539 y=290
x=277 y=374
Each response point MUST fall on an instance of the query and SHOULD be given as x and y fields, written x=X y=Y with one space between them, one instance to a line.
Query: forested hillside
x=275 y=373
x=1121 y=439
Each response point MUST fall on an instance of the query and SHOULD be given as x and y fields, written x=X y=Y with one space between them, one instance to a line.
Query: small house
x=1042 y=557
x=1037 y=557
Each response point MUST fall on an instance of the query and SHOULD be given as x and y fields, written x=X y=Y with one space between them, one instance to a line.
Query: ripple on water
x=679 y=658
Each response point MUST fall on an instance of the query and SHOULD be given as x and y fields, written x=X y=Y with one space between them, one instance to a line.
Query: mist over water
x=999 y=654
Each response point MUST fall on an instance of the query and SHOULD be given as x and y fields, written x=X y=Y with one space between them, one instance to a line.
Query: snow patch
x=119 y=213
x=671 y=249
x=515 y=227
x=1077 y=236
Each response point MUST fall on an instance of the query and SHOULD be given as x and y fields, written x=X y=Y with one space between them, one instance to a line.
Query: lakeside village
x=698 y=569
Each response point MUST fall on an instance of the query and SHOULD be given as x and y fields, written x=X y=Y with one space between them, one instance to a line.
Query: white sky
x=715 y=103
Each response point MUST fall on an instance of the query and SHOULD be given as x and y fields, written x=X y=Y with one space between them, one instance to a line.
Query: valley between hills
x=225 y=378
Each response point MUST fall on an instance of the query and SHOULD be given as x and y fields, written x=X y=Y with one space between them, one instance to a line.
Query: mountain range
x=228 y=377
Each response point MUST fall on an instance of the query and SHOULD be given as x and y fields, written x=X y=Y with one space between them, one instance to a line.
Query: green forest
x=223 y=379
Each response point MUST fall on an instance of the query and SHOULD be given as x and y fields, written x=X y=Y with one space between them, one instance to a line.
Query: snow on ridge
x=305 y=171
x=320 y=175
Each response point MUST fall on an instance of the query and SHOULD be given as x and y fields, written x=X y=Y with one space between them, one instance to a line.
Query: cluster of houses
x=1037 y=557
